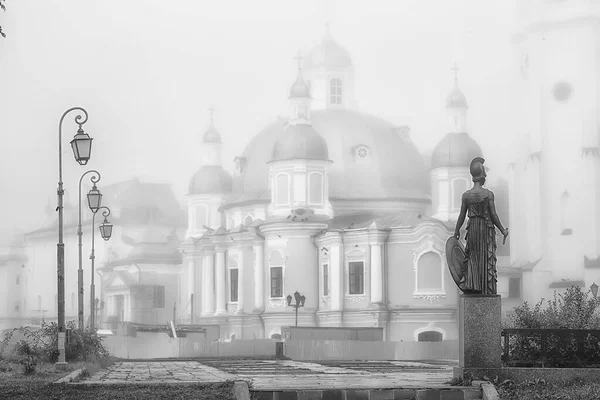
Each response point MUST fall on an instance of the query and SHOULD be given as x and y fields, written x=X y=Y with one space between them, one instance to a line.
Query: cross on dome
x=299 y=59
x=455 y=69
x=211 y=110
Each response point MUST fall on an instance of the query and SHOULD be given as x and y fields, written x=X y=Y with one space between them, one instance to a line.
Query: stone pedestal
x=480 y=329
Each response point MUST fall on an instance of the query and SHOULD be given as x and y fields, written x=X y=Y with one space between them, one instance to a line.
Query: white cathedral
x=341 y=206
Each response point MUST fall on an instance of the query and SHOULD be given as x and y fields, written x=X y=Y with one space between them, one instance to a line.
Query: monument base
x=480 y=330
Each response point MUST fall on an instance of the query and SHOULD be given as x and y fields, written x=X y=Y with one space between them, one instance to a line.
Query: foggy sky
x=147 y=71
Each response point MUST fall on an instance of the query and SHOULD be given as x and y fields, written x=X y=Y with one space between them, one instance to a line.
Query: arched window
x=335 y=91
x=282 y=193
x=316 y=188
x=276 y=274
x=430 y=336
x=429 y=273
x=248 y=221
x=459 y=186
x=201 y=215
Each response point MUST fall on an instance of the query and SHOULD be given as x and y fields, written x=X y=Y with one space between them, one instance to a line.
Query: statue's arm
x=461 y=217
x=494 y=215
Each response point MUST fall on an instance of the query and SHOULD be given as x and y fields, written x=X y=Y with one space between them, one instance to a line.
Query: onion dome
x=210 y=179
x=300 y=142
x=328 y=54
x=211 y=135
x=299 y=89
x=456 y=99
x=455 y=150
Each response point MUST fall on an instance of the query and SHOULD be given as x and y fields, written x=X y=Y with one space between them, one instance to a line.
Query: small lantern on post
x=300 y=299
x=82 y=146
x=106 y=229
x=94 y=199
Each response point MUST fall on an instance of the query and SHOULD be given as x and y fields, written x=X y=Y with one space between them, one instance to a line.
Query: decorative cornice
x=430 y=298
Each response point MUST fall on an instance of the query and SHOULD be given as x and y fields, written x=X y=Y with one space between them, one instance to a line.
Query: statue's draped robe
x=480 y=274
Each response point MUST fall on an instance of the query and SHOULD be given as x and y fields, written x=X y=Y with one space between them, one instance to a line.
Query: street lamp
x=106 y=232
x=94 y=201
x=594 y=289
x=300 y=299
x=82 y=148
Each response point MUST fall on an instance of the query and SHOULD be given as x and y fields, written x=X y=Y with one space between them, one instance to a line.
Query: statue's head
x=477 y=170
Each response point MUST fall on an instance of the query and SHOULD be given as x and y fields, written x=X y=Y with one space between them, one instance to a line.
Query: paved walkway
x=280 y=374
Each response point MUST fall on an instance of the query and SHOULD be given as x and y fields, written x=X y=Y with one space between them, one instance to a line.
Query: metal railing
x=551 y=348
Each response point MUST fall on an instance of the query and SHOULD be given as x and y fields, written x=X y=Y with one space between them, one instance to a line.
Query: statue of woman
x=479 y=271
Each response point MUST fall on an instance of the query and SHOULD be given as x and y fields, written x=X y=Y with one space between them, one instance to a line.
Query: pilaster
x=220 y=281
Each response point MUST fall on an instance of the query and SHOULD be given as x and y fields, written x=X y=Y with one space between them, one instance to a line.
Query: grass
x=15 y=384
x=542 y=390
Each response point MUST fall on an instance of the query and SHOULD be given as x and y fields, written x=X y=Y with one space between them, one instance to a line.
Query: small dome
x=328 y=54
x=211 y=135
x=455 y=150
x=299 y=89
x=300 y=142
x=456 y=99
x=211 y=179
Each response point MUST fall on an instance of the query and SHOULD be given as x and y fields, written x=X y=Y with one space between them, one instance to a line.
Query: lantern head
x=94 y=199
x=82 y=146
x=106 y=229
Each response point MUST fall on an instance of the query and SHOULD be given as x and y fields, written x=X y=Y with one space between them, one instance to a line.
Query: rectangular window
x=18 y=279
x=514 y=288
x=356 y=270
x=325 y=280
x=276 y=281
x=233 y=285
x=159 y=297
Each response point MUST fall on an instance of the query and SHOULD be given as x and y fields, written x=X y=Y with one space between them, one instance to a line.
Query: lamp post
x=105 y=232
x=300 y=299
x=82 y=149
x=94 y=201
x=594 y=289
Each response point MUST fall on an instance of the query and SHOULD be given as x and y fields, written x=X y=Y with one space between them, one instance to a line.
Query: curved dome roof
x=299 y=89
x=328 y=54
x=456 y=98
x=393 y=169
x=455 y=150
x=211 y=135
x=300 y=142
x=210 y=179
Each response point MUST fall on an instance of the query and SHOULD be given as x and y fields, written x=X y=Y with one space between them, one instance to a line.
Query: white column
x=241 y=281
x=376 y=274
x=208 y=267
x=191 y=279
x=336 y=277
x=259 y=268
x=220 y=281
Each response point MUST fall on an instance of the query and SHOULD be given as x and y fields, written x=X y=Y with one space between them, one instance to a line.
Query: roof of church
x=393 y=167
x=328 y=54
x=299 y=142
x=210 y=179
x=456 y=149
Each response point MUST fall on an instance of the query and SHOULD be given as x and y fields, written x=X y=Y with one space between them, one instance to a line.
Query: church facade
x=333 y=203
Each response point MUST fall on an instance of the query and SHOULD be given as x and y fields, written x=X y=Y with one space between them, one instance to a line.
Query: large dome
x=389 y=166
x=455 y=150
x=300 y=142
x=210 y=179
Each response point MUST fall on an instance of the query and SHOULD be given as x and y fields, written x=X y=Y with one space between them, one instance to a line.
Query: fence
x=159 y=345
x=551 y=347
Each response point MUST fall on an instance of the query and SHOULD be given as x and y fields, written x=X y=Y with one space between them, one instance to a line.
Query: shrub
x=573 y=309
x=42 y=343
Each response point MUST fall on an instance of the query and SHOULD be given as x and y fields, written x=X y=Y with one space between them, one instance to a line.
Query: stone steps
x=450 y=393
